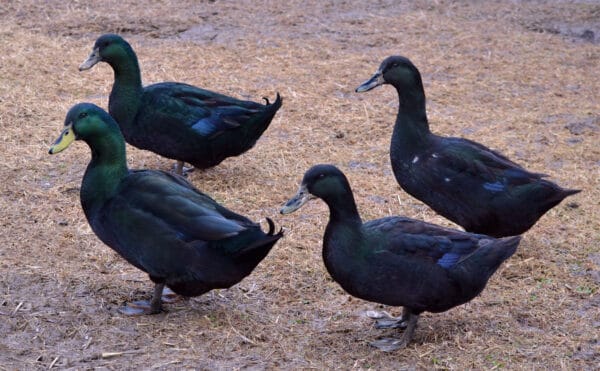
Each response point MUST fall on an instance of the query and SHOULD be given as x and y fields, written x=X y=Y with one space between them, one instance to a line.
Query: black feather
x=158 y=221
x=464 y=181
x=161 y=118
x=400 y=261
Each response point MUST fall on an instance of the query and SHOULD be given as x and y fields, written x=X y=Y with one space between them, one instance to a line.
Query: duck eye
x=82 y=115
x=321 y=176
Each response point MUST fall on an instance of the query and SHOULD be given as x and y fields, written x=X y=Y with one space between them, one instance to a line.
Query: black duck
x=471 y=185
x=158 y=221
x=176 y=120
x=399 y=261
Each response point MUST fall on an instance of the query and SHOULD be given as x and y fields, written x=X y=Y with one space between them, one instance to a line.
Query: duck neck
x=104 y=173
x=342 y=242
x=342 y=208
x=344 y=224
x=411 y=130
x=127 y=90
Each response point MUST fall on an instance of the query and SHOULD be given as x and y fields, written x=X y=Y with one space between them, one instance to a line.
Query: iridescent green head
x=322 y=181
x=87 y=122
x=108 y=48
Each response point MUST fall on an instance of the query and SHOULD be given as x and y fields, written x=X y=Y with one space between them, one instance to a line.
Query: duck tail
x=271 y=231
x=266 y=116
x=553 y=195
x=508 y=246
x=474 y=271
x=276 y=104
x=262 y=245
x=569 y=192
x=496 y=251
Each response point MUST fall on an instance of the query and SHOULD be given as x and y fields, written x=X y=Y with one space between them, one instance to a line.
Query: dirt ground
x=520 y=77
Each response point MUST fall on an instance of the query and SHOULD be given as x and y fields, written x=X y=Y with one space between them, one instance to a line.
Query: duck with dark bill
x=396 y=260
x=464 y=181
x=176 y=120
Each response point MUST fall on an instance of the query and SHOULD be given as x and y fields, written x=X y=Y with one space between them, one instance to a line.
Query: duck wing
x=200 y=111
x=157 y=202
x=424 y=242
x=161 y=224
x=457 y=157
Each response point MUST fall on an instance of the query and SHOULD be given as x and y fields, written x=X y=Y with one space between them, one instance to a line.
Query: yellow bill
x=64 y=140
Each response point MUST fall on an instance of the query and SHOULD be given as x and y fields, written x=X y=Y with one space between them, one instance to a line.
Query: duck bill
x=91 y=60
x=296 y=202
x=64 y=140
x=373 y=82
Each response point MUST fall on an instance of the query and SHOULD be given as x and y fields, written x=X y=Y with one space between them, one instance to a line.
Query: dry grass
x=489 y=74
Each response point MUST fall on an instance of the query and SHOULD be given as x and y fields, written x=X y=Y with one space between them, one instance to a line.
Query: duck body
x=181 y=237
x=396 y=260
x=399 y=261
x=475 y=187
x=158 y=221
x=462 y=180
x=177 y=120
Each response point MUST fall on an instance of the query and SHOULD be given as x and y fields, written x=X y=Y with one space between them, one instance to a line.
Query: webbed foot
x=141 y=307
x=385 y=320
x=389 y=344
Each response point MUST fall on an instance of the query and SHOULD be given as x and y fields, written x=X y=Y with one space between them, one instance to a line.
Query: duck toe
x=389 y=344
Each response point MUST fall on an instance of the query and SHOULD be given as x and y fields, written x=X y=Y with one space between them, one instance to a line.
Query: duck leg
x=143 y=306
x=384 y=320
x=182 y=170
x=169 y=296
x=391 y=344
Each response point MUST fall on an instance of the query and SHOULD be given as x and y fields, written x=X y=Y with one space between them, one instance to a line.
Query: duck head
x=108 y=48
x=84 y=121
x=395 y=70
x=320 y=181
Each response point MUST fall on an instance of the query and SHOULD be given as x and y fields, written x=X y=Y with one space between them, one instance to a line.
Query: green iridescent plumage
x=176 y=120
x=158 y=221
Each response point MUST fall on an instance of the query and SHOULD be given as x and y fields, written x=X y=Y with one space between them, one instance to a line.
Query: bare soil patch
x=493 y=72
